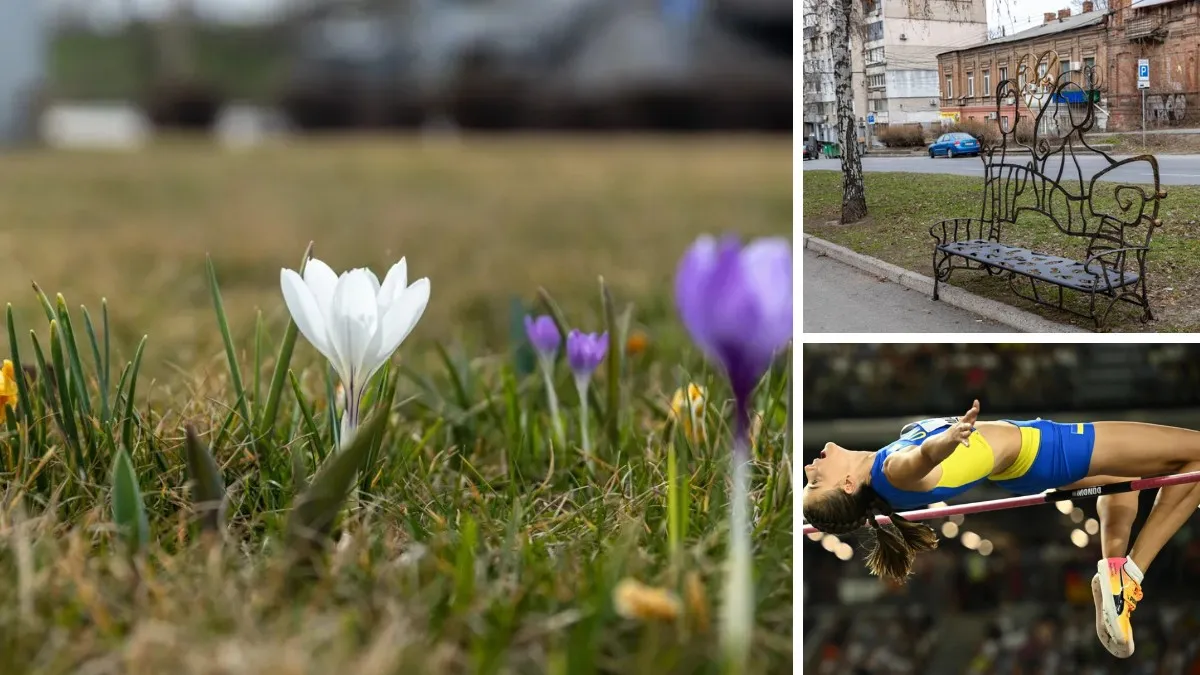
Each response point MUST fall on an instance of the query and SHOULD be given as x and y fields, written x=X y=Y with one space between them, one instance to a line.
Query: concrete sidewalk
x=880 y=313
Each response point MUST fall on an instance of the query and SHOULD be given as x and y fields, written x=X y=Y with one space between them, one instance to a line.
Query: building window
x=1089 y=66
x=876 y=81
x=987 y=82
x=1066 y=67
x=970 y=84
x=875 y=55
x=875 y=31
x=1004 y=123
x=1003 y=73
x=948 y=92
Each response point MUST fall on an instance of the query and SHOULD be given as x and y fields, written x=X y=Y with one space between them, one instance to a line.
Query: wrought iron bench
x=1049 y=184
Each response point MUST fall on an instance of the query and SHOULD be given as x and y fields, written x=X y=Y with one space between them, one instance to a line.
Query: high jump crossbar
x=1134 y=485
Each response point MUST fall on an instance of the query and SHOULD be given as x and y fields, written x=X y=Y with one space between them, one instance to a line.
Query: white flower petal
x=321 y=280
x=305 y=312
x=374 y=279
x=402 y=317
x=353 y=324
x=393 y=285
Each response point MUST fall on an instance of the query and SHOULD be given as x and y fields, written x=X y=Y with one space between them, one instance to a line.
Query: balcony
x=1147 y=28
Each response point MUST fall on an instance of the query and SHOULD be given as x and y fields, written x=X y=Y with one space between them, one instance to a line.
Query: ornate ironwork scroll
x=1040 y=167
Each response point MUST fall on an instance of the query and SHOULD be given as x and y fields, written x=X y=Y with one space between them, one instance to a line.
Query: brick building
x=1167 y=32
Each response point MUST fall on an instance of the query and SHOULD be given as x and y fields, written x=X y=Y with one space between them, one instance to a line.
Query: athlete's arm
x=907 y=470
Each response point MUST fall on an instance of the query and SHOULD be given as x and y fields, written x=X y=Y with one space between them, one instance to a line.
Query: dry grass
x=485 y=219
x=479 y=547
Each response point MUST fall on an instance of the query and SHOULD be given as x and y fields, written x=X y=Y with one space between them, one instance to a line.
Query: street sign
x=1143 y=73
x=870 y=118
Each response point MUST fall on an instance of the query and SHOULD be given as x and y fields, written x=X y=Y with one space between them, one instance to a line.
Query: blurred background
x=1006 y=592
x=115 y=70
x=500 y=145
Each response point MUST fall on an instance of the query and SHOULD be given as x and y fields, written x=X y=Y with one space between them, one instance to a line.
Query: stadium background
x=1006 y=592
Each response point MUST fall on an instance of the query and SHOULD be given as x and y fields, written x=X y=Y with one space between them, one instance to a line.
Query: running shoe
x=1119 y=596
x=1106 y=639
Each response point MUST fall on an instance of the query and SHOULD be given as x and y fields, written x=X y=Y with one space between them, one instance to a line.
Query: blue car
x=953 y=145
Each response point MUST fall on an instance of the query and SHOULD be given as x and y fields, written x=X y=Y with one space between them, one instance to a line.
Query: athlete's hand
x=961 y=431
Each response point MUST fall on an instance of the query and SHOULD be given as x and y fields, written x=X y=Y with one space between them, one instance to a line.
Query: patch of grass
x=471 y=542
x=1157 y=144
x=904 y=206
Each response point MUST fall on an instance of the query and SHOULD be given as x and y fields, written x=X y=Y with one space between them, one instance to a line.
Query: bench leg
x=935 y=286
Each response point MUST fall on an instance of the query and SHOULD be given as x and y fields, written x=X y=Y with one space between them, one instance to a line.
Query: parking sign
x=1143 y=73
x=870 y=118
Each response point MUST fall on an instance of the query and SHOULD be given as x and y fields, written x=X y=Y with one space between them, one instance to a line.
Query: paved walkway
x=1173 y=169
x=841 y=299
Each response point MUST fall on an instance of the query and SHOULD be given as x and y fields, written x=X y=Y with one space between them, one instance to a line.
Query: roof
x=1056 y=26
x=1142 y=4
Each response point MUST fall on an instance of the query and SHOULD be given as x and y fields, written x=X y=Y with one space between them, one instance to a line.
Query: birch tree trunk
x=854 y=200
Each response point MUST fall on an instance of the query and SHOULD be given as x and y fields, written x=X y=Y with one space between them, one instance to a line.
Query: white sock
x=1133 y=570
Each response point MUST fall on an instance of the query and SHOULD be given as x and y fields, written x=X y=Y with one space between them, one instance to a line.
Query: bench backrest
x=1043 y=165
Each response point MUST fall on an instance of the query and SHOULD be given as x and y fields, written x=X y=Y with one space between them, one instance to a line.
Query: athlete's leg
x=1125 y=448
x=1117 y=513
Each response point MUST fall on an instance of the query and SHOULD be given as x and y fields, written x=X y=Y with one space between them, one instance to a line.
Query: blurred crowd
x=879 y=380
x=1025 y=609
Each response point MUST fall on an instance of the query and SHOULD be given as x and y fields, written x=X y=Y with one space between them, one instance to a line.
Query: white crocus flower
x=354 y=321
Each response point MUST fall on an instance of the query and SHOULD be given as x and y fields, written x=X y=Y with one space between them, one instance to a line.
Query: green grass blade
x=309 y=423
x=616 y=353
x=235 y=371
x=71 y=353
x=18 y=369
x=127 y=420
x=100 y=374
x=283 y=362
x=129 y=512
x=47 y=307
x=208 y=487
x=464 y=567
x=66 y=413
x=107 y=380
x=256 y=402
x=316 y=509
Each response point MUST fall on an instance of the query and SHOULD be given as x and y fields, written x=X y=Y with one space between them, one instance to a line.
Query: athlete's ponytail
x=890 y=549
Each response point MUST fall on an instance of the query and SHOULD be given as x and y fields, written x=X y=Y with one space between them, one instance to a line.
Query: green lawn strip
x=903 y=206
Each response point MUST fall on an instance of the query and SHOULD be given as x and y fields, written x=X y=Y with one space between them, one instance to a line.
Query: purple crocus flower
x=543 y=334
x=737 y=304
x=585 y=351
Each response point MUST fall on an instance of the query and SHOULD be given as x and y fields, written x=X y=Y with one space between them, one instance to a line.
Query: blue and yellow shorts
x=1052 y=456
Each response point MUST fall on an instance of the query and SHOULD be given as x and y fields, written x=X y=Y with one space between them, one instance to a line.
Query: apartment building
x=1164 y=32
x=894 y=51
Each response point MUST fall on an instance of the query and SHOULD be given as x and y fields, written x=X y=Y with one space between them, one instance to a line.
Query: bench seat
x=1054 y=269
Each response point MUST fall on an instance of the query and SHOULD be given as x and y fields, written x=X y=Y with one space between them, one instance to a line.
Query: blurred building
x=23 y=41
x=894 y=48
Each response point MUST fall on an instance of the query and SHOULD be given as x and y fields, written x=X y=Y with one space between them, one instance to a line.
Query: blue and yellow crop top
x=965 y=468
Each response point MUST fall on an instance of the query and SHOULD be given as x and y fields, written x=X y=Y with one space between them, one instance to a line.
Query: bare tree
x=854 y=196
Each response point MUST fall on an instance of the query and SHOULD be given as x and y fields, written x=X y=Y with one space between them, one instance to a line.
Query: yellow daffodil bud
x=635 y=600
x=688 y=410
x=8 y=389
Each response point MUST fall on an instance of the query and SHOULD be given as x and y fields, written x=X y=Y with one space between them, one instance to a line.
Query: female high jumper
x=936 y=459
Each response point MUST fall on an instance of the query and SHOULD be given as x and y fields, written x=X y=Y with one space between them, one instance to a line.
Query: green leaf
x=18 y=369
x=316 y=509
x=616 y=353
x=127 y=424
x=66 y=413
x=129 y=513
x=282 y=363
x=71 y=352
x=235 y=371
x=100 y=374
x=464 y=567
x=208 y=487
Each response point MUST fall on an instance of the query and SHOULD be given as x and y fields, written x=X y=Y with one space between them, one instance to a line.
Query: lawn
x=897 y=231
x=472 y=542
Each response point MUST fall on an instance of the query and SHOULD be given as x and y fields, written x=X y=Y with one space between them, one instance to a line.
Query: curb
x=1017 y=319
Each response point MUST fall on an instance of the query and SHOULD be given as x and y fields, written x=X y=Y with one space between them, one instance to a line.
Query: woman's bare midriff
x=1005 y=439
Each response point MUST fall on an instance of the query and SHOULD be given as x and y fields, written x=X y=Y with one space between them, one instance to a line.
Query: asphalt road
x=839 y=298
x=1172 y=169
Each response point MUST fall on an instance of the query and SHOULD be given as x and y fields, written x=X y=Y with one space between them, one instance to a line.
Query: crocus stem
x=581 y=385
x=552 y=397
x=738 y=610
x=349 y=417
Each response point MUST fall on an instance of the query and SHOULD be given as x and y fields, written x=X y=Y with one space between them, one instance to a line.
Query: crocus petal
x=321 y=280
x=394 y=284
x=402 y=317
x=353 y=323
x=305 y=312
x=767 y=271
x=374 y=279
x=694 y=269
